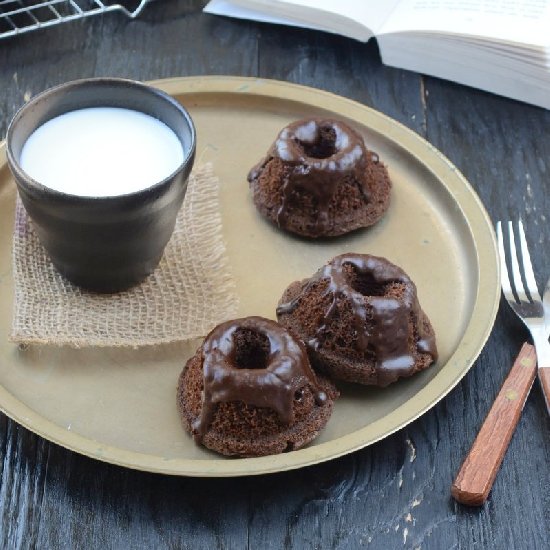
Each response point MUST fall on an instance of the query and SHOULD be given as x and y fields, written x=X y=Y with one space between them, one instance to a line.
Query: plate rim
x=476 y=333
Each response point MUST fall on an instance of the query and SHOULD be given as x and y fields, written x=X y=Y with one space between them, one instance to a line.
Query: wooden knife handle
x=477 y=474
x=544 y=379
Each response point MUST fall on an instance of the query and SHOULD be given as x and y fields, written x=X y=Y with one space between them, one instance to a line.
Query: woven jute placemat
x=191 y=290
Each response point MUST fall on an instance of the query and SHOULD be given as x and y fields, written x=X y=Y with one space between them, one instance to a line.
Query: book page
x=372 y=14
x=519 y=21
x=230 y=9
x=355 y=19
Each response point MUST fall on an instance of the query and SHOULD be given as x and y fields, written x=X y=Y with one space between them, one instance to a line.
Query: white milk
x=101 y=151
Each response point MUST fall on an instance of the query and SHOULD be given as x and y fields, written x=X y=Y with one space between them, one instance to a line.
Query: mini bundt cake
x=361 y=321
x=250 y=391
x=319 y=180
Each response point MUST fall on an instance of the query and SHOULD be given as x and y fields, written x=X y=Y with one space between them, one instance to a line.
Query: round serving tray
x=118 y=405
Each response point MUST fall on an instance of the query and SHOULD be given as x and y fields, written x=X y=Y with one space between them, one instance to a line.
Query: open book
x=502 y=46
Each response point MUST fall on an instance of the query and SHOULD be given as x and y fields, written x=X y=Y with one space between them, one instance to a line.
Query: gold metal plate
x=119 y=405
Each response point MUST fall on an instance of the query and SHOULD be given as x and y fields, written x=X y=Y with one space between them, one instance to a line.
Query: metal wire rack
x=20 y=16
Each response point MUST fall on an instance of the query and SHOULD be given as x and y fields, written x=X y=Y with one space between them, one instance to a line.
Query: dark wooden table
x=394 y=494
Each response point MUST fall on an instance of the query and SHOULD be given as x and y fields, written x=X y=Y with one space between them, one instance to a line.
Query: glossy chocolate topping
x=319 y=154
x=381 y=323
x=274 y=385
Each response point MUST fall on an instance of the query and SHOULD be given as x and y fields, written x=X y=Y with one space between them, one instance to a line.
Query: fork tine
x=516 y=274
x=527 y=265
x=505 y=281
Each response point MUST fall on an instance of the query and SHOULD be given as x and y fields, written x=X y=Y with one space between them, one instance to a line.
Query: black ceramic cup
x=104 y=244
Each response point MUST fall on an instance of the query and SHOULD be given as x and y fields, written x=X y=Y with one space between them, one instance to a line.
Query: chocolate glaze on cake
x=318 y=179
x=273 y=386
x=360 y=318
x=254 y=370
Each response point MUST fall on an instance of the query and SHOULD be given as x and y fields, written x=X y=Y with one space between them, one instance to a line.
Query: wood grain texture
x=477 y=474
x=394 y=494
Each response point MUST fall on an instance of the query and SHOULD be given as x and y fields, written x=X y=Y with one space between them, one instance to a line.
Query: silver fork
x=526 y=302
x=478 y=472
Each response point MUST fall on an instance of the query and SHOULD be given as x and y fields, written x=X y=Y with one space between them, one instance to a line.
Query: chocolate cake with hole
x=319 y=180
x=250 y=391
x=361 y=321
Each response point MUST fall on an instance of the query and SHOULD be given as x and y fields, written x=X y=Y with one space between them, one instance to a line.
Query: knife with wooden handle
x=544 y=370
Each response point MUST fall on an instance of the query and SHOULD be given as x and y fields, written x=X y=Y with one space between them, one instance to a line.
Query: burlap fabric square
x=191 y=290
